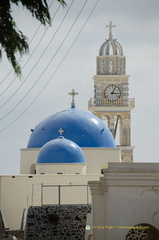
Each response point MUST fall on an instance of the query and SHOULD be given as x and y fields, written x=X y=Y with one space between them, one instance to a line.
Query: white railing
x=123 y=102
x=64 y=194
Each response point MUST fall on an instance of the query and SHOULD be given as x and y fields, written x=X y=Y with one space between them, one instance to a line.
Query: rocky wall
x=64 y=222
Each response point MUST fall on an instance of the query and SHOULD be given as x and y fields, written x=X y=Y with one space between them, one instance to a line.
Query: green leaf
x=12 y=39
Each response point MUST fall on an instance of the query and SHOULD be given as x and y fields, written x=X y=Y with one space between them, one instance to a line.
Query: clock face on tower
x=112 y=92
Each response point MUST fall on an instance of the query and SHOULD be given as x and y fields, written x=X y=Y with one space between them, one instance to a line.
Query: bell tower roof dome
x=111 y=46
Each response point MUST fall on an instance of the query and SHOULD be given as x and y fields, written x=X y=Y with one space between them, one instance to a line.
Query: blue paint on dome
x=83 y=128
x=61 y=150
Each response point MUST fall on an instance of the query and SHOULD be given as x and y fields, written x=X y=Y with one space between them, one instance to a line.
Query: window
x=60 y=172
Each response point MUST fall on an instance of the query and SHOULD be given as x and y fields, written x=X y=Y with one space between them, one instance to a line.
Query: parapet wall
x=6 y=232
x=57 y=222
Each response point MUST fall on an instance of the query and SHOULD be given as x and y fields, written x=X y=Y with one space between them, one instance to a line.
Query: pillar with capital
x=125 y=134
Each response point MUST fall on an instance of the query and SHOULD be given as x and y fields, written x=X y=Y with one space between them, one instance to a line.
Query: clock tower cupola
x=110 y=60
x=111 y=100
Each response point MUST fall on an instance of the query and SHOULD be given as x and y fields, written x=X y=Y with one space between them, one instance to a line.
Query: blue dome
x=61 y=150
x=83 y=128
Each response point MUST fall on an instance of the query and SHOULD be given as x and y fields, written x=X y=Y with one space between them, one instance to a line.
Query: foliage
x=12 y=39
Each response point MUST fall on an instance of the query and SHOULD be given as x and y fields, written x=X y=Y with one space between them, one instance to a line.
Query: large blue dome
x=61 y=150
x=83 y=128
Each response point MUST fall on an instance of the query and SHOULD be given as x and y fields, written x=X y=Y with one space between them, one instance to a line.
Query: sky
x=63 y=57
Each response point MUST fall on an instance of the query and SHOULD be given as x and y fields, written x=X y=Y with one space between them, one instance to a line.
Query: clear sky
x=137 y=30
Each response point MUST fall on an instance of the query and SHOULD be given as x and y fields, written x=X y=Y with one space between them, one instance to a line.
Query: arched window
x=118 y=132
x=106 y=119
x=33 y=169
x=143 y=231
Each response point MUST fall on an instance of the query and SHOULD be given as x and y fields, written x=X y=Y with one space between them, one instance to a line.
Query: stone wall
x=57 y=222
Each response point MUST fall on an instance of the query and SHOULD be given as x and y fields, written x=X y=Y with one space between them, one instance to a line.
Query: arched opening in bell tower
x=118 y=129
x=106 y=119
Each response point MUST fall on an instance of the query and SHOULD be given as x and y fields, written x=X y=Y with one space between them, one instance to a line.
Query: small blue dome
x=61 y=150
x=83 y=128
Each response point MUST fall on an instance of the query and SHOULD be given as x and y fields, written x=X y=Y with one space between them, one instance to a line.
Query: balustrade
x=123 y=102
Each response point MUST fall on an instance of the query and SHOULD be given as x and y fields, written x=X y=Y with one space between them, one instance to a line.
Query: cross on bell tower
x=73 y=94
x=110 y=26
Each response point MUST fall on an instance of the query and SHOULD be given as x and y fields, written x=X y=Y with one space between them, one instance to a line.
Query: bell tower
x=111 y=100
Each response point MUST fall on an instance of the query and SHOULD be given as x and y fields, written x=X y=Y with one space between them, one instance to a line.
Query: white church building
x=72 y=158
